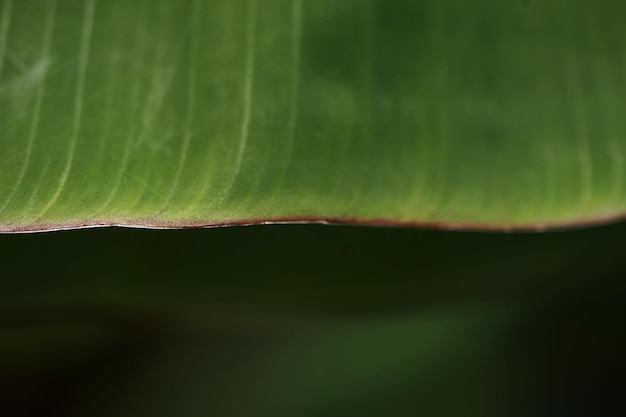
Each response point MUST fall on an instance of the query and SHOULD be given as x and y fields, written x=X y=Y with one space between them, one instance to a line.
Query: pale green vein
x=141 y=40
x=617 y=148
x=162 y=81
x=611 y=95
x=617 y=153
x=32 y=203
x=443 y=117
x=105 y=136
x=196 y=25
x=4 y=31
x=572 y=75
x=106 y=139
x=367 y=35
x=549 y=157
x=83 y=58
x=295 y=78
x=571 y=68
x=292 y=123
x=247 y=92
x=39 y=73
x=606 y=97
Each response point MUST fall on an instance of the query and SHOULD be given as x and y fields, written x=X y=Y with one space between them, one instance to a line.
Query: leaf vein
x=83 y=60
x=41 y=68
x=191 y=89
x=4 y=31
x=247 y=91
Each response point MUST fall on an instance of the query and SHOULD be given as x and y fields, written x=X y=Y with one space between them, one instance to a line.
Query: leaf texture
x=159 y=113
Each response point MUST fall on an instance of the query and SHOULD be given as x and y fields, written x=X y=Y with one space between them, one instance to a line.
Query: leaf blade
x=200 y=113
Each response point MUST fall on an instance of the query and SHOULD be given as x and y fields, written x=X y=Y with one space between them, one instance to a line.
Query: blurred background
x=311 y=320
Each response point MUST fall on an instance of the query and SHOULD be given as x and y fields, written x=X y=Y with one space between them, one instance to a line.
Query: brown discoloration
x=380 y=222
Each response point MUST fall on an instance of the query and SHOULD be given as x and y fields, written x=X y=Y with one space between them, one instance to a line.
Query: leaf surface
x=158 y=113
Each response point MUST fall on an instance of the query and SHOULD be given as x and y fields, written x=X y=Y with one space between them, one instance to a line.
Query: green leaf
x=160 y=113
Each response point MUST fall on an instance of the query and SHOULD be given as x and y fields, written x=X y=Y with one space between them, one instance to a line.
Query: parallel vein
x=139 y=47
x=191 y=97
x=247 y=92
x=295 y=79
x=78 y=99
x=4 y=31
x=41 y=68
x=580 y=114
x=296 y=41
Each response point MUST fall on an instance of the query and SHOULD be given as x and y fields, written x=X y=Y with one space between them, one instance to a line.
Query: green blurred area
x=306 y=320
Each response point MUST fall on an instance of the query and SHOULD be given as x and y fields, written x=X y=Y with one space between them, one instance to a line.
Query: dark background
x=311 y=320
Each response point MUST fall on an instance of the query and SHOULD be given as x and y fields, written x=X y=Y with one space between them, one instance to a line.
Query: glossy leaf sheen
x=163 y=113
